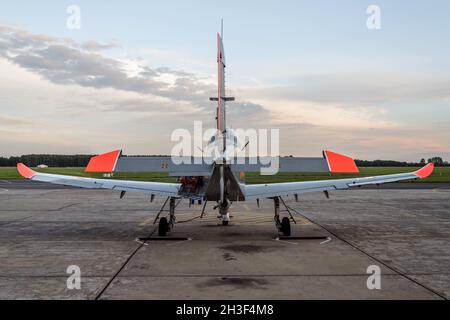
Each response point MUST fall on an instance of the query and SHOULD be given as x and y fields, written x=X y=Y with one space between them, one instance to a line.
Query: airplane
x=217 y=180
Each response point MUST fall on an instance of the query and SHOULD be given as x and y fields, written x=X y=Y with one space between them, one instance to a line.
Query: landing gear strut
x=166 y=225
x=283 y=226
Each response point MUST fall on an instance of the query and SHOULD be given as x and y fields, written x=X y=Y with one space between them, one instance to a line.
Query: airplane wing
x=156 y=188
x=289 y=188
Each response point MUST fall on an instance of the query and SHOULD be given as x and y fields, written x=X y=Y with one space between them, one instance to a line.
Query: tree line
x=438 y=161
x=81 y=160
x=51 y=160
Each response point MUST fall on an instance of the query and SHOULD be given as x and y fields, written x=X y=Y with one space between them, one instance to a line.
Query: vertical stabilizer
x=221 y=97
x=221 y=116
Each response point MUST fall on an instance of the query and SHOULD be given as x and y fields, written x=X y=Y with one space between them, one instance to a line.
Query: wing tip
x=25 y=172
x=425 y=171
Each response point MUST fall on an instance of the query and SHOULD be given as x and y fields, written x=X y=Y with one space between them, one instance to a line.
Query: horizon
x=445 y=161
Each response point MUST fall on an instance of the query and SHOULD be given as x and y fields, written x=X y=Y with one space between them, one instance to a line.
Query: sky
x=137 y=70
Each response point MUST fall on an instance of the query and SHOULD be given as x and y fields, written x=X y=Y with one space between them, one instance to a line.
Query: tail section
x=221 y=96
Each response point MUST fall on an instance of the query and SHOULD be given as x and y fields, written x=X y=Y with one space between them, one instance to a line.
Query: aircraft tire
x=286 y=226
x=163 y=227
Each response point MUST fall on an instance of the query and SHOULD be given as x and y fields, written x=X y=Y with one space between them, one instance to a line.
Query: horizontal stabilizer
x=203 y=166
x=189 y=167
x=223 y=98
x=114 y=162
x=285 y=164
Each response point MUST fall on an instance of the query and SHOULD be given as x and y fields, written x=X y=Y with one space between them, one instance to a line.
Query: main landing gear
x=165 y=225
x=283 y=225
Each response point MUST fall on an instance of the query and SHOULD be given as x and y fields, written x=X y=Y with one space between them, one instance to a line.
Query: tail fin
x=221 y=96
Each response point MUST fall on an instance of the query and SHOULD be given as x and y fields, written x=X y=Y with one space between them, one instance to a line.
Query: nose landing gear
x=224 y=215
x=225 y=219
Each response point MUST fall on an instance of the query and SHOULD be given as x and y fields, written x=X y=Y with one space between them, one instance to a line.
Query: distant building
x=42 y=166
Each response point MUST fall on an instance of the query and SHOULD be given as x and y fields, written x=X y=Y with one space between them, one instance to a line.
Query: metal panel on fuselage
x=232 y=186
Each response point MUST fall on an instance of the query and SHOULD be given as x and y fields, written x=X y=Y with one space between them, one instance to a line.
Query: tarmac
x=44 y=229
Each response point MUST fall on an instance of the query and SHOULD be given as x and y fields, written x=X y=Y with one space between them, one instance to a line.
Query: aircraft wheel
x=286 y=226
x=163 y=227
x=225 y=223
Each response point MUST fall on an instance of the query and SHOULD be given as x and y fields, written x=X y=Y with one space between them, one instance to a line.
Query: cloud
x=63 y=61
x=6 y=120
x=66 y=62
x=81 y=98
x=97 y=46
x=352 y=89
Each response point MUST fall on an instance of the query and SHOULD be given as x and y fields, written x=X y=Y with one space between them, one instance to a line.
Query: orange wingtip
x=338 y=163
x=25 y=171
x=104 y=162
x=425 y=171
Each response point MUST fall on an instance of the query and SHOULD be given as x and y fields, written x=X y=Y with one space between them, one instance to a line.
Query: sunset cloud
x=60 y=94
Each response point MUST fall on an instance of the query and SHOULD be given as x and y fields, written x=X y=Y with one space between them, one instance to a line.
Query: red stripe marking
x=218 y=82
x=425 y=171
x=104 y=162
x=25 y=171
x=339 y=163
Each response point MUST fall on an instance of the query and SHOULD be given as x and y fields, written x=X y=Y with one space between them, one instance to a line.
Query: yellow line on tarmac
x=440 y=190
x=147 y=222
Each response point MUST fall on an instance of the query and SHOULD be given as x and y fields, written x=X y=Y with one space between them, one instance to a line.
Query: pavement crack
x=141 y=244
x=65 y=207
x=441 y=295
